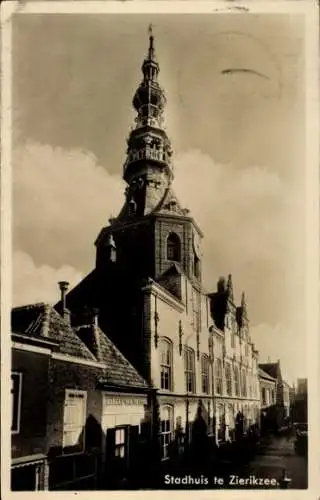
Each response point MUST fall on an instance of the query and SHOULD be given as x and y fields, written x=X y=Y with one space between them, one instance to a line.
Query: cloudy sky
x=238 y=140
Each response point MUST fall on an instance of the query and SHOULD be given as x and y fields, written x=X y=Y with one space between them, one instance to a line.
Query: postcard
x=160 y=237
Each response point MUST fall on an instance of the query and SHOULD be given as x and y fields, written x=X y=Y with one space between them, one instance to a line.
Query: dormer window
x=173 y=247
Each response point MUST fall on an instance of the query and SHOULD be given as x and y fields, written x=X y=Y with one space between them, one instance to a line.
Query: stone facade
x=193 y=347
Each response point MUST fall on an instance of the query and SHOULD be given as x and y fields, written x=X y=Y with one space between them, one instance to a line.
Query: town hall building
x=192 y=347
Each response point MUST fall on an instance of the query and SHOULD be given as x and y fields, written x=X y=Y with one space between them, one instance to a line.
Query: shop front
x=126 y=426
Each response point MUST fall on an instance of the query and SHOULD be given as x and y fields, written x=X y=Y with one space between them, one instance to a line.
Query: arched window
x=189 y=370
x=166 y=429
x=228 y=379
x=218 y=373
x=165 y=348
x=205 y=373
x=173 y=247
x=236 y=381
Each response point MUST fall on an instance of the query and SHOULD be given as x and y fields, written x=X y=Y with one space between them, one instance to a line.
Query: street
x=263 y=470
x=272 y=457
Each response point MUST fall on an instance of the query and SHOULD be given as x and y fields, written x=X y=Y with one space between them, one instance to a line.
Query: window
x=189 y=370
x=243 y=384
x=74 y=419
x=272 y=397
x=16 y=387
x=196 y=266
x=218 y=372
x=236 y=381
x=166 y=430
x=205 y=374
x=173 y=247
x=228 y=379
x=165 y=364
x=120 y=442
x=263 y=396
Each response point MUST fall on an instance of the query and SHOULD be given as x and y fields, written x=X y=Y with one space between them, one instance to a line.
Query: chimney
x=64 y=285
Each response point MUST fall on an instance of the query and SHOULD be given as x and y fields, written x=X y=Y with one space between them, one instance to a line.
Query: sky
x=238 y=140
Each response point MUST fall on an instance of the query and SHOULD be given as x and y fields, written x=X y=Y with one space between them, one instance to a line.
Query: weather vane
x=150 y=29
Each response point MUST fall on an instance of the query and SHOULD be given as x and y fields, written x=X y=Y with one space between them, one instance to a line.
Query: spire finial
x=151 y=39
x=230 y=286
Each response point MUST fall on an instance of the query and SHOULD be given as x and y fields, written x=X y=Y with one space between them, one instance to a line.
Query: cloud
x=252 y=222
x=39 y=284
x=250 y=218
x=61 y=200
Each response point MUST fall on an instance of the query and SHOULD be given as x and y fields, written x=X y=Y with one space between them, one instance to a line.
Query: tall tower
x=153 y=234
x=148 y=168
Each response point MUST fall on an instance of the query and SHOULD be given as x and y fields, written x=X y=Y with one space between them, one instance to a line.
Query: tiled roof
x=270 y=368
x=41 y=320
x=266 y=375
x=119 y=371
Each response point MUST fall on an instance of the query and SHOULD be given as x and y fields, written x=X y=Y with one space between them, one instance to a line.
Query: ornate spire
x=148 y=141
x=230 y=287
x=244 y=305
x=151 y=53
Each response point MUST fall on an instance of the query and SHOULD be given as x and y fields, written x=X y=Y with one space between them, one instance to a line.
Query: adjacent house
x=283 y=390
x=79 y=405
x=268 y=391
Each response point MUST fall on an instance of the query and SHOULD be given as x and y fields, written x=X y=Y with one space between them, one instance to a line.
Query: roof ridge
x=58 y=316
x=46 y=320
x=29 y=306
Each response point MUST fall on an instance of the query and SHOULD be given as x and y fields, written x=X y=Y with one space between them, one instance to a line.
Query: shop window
x=166 y=430
x=120 y=442
x=16 y=388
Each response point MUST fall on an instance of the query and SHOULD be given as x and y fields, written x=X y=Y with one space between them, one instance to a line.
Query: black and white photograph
x=158 y=311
